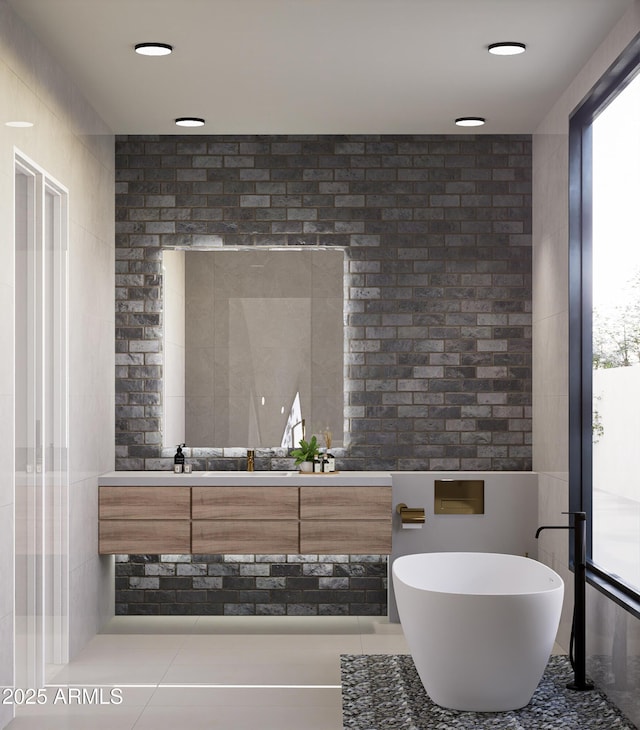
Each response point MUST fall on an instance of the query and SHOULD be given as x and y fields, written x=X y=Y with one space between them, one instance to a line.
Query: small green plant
x=307 y=450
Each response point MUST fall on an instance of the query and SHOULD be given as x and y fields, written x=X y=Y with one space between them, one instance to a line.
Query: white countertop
x=244 y=479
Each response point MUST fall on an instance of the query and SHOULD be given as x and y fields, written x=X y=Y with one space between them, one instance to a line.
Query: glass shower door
x=41 y=474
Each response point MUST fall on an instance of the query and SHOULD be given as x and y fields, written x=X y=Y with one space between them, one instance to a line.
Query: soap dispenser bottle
x=178 y=460
x=329 y=459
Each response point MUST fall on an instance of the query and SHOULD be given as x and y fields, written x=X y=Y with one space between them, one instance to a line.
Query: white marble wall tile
x=6 y=560
x=6 y=664
x=553 y=498
x=91 y=600
x=91 y=359
x=6 y=464
x=83 y=532
x=551 y=263
x=553 y=545
x=551 y=353
x=6 y=363
x=551 y=444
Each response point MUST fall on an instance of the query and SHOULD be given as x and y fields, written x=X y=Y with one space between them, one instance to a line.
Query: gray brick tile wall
x=240 y=585
x=437 y=233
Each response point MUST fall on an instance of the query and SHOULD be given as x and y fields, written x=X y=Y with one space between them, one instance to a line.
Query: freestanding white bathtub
x=480 y=626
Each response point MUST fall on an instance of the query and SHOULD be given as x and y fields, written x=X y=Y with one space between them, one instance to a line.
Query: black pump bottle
x=178 y=460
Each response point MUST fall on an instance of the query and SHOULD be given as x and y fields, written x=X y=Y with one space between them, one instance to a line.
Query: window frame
x=614 y=81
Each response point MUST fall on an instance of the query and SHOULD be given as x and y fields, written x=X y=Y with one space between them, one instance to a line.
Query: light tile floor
x=211 y=672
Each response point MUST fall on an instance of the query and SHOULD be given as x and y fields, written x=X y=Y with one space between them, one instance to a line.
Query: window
x=604 y=270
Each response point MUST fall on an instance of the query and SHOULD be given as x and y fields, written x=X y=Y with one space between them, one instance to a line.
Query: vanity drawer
x=144 y=536
x=345 y=503
x=145 y=503
x=342 y=536
x=345 y=520
x=245 y=537
x=244 y=503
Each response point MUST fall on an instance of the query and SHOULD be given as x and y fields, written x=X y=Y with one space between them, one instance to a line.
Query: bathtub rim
x=558 y=582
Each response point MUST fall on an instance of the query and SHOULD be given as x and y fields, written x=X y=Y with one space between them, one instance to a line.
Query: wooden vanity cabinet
x=345 y=520
x=144 y=520
x=244 y=520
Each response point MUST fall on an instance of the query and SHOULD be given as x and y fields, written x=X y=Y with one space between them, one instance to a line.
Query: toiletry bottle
x=317 y=464
x=178 y=460
x=331 y=462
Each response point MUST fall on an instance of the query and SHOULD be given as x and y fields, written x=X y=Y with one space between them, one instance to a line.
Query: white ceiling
x=321 y=66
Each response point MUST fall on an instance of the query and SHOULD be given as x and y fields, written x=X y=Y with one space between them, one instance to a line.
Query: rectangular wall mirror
x=253 y=346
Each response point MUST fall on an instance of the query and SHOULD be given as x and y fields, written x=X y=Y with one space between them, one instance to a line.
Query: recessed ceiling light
x=19 y=124
x=190 y=122
x=470 y=121
x=507 y=49
x=153 y=49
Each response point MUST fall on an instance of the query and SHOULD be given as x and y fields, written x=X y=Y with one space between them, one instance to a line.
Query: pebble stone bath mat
x=384 y=692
